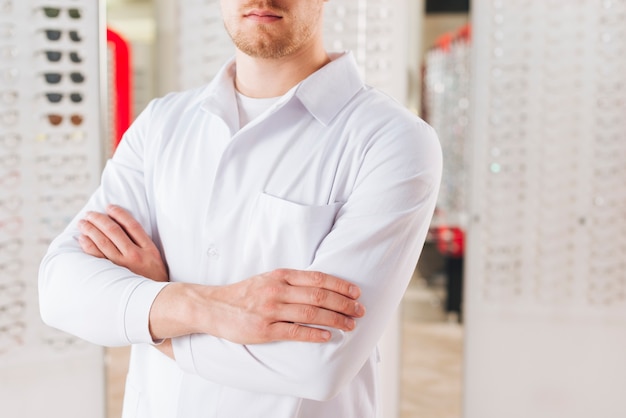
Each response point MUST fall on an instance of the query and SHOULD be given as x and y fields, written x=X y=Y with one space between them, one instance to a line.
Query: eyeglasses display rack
x=446 y=87
x=546 y=251
x=376 y=31
x=50 y=162
x=203 y=44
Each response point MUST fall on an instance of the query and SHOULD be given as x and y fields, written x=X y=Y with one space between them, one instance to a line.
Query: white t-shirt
x=249 y=107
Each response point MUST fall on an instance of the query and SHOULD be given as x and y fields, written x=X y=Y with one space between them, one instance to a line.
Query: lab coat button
x=212 y=252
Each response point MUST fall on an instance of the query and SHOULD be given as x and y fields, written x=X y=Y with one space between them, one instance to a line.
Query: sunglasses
x=11 y=246
x=55 y=35
x=60 y=179
x=12 y=310
x=55 y=78
x=11 y=266
x=60 y=138
x=9 y=179
x=8 y=97
x=9 y=160
x=8 y=52
x=6 y=6
x=7 y=30
x=10 y=140
x=54 y=12
x=50 y=160
x=9 y=117
x=58 y=202
x=9 y=75
x=57 y=97
x=14 y=289
x=55 y=56
x=55 y=119
x=10 y=204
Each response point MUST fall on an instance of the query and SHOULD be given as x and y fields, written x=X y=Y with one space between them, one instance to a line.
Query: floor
x=432 y=351
x=431 y=360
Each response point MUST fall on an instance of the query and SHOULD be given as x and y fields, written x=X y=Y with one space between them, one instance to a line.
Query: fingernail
x=354 y=291
x=350 y=323
x=325 y=335
x=359 y=309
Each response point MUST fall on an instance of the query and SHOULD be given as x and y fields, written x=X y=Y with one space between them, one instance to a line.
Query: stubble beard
x=263 y=43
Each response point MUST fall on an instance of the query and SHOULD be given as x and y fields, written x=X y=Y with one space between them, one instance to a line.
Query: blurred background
x=517 y=307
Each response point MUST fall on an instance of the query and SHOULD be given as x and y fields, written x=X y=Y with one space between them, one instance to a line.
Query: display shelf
x=50 y=161
x=545 y=285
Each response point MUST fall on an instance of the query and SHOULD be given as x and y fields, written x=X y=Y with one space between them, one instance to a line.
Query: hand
x=273 y=306
x=118 y=237
x=268 y=307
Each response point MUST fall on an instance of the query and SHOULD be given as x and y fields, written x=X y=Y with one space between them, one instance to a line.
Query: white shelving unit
x=50 y=161
x=546 y=253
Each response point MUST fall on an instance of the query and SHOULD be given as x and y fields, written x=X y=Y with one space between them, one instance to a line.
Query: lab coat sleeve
x=89 y=297
x=375 y=242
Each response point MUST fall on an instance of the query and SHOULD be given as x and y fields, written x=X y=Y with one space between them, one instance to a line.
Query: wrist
x=175 y=311
x=198 y=312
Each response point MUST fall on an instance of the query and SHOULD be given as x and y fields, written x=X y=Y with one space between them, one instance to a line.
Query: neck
x=273 y=77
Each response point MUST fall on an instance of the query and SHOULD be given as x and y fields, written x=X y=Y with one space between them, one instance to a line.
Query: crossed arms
x=220 y=332
x=265 y=308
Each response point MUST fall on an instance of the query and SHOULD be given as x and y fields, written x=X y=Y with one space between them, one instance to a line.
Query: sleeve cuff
x=137 y=314
x=183 y=353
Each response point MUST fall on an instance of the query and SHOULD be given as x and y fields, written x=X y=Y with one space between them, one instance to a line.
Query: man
x=285 y=198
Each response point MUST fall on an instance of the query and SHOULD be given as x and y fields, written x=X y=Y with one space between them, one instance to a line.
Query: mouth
x=262 y=16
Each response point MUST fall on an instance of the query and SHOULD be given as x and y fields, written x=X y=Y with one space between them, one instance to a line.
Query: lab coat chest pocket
x=284 y=234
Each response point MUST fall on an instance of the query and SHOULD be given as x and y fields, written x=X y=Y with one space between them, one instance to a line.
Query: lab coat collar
x=219 y=97
x=324 y=93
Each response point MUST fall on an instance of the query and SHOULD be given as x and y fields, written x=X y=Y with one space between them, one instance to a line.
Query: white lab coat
x=334 y=177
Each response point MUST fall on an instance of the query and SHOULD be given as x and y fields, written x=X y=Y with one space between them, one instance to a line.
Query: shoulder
x=379 y=120
x=176 y=102
x=385 y=110
x=160 y=116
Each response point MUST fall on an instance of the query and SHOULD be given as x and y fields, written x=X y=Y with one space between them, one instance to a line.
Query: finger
x=89 y=247
x=312 y=315
x=133 y=228
x=283 y=331
x=99 y=240
x=112 y=231
x=320 y=280
x=322 y=298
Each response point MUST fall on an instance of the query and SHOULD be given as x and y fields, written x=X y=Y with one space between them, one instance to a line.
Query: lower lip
x=263 y=19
